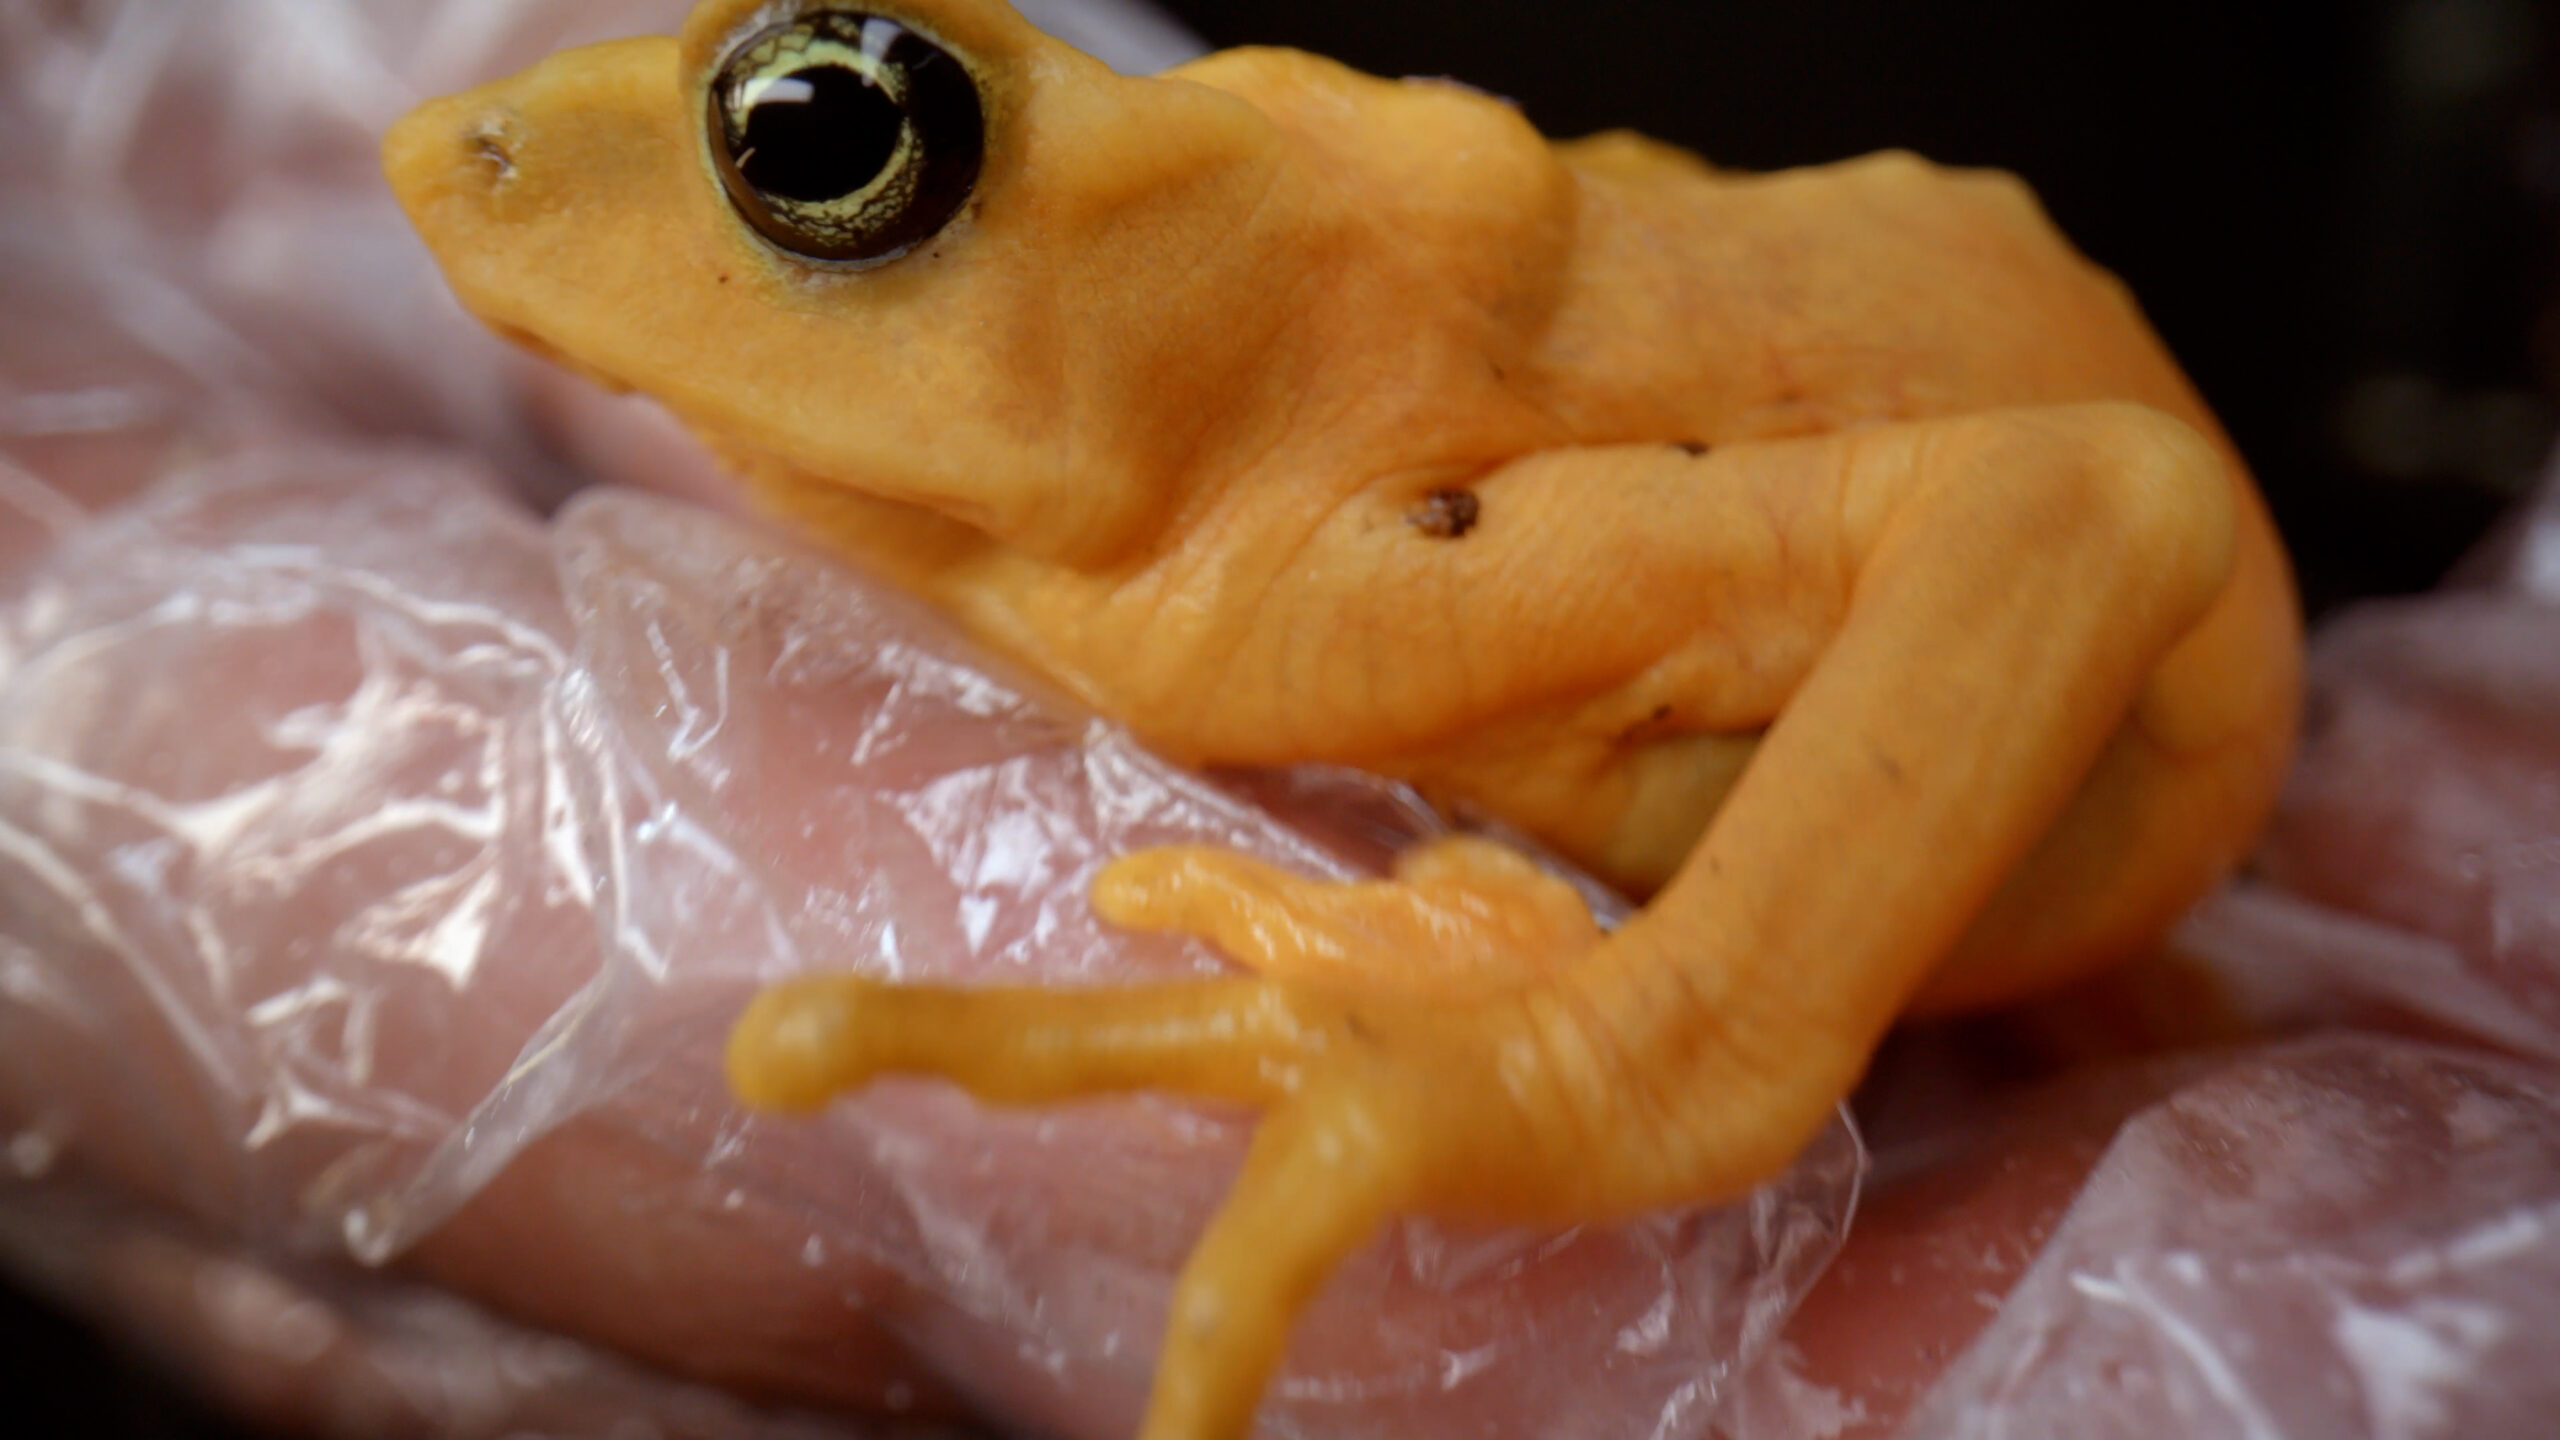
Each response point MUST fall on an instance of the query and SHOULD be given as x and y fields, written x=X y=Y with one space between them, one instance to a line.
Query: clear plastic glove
x=364 y=881
x=381 y=867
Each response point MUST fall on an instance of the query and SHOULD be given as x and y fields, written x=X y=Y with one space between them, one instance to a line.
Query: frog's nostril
x=491 y=145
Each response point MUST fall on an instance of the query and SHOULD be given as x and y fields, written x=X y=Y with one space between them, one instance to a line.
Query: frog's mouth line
x=534 y=344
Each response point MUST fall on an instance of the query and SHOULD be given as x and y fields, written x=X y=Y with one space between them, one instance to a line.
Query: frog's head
x=910 y=248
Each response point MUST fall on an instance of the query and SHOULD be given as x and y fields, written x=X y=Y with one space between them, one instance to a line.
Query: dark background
x=2341 y=215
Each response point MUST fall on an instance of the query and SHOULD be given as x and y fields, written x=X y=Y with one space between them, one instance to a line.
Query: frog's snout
x=458 y=142
x=564 y=133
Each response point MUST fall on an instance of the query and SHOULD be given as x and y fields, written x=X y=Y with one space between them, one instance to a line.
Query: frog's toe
x=809 y=1039
x=1325 y=1171
x=1460 y=916
x=799 y=1045
x=1255 y=912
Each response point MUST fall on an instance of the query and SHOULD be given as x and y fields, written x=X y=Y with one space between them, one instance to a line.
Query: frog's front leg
x=1995 y=594
x=1369 y=1110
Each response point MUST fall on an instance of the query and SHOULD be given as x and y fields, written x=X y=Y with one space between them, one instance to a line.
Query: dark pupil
x=823 y=138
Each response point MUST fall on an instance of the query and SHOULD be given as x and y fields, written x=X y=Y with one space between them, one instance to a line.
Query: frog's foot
x=1515 y=1104
x=1460 y=915
x=1520 y=1107
x=1332 y=1159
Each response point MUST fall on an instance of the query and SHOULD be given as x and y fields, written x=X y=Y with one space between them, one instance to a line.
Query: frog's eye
x=844 y=136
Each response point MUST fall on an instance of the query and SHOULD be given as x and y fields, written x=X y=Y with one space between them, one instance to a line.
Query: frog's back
x=1628 y=291
x=1751 y=306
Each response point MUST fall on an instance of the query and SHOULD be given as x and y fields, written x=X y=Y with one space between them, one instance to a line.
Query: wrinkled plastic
x=350 y=893
x=381 y=866
x=2353 y=1236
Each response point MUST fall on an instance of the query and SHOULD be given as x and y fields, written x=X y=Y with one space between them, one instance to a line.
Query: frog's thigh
x=1459 y=915
x=2167 y=811
x=2014 y=581
x=1972 y=736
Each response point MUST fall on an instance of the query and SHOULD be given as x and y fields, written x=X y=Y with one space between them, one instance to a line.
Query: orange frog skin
x=1833 y=556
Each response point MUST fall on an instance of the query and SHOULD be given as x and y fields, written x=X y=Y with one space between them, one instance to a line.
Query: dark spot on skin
x=1498 y=372
x=1446 y=514
x=1891 y=767
x=1691 y=447
x=724 y=279
x=1661 y=713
